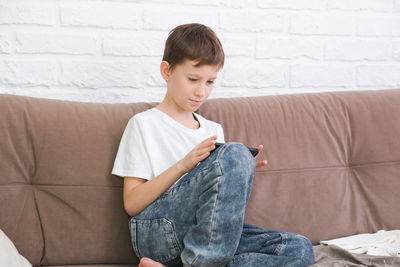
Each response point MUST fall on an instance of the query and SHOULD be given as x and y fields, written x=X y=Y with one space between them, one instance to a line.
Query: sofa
x=333 y=170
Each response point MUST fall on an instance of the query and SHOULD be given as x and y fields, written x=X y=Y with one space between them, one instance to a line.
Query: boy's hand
x=263 y=162
x=199 y=153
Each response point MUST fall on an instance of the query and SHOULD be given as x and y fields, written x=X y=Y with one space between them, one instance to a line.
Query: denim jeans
x=200 y=220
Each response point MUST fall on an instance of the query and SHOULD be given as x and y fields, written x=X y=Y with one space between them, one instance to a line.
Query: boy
x=187 y=198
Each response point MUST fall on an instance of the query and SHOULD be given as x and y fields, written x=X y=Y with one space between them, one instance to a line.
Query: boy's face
x=188 y=86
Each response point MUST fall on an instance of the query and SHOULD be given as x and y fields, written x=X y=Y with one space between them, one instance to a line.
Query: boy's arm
x=139 y=193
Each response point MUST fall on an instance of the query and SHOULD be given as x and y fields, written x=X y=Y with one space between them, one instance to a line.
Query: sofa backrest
x=334 y=165
x=334 y=159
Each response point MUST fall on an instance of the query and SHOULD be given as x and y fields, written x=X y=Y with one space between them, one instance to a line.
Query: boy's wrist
x=180 y=168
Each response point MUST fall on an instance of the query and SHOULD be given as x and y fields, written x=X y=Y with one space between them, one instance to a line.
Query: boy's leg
x=201 y=218
x=259 y=247
x=214 y=237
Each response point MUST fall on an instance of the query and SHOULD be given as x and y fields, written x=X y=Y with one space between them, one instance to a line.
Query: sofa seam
x=383 y=163
x=41 y=226
x=60 y=185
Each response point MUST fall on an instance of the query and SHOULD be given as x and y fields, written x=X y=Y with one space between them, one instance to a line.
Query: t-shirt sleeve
x=220 y=134
x=132 y=158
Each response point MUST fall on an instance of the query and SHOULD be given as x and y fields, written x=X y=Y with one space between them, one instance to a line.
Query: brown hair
x=195 y=42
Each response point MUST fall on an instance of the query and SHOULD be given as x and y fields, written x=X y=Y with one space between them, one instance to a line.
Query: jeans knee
x=307 y=252
x=236 y=157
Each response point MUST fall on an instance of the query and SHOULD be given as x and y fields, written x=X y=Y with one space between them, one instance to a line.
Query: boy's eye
x=195 y=80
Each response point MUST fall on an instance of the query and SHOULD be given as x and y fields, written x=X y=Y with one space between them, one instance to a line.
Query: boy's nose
x=200 y=91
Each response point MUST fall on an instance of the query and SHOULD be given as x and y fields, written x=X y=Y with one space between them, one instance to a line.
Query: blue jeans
x=200 y=221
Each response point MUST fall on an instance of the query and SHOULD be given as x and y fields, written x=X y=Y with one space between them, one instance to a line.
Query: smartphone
x=253 y=150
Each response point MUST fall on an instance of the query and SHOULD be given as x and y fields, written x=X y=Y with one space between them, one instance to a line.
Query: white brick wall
x=109 y=51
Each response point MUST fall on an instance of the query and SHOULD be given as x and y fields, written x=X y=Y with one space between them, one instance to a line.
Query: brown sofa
x=334 y=170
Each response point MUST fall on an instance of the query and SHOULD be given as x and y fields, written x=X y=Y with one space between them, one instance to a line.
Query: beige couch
x=334 y=170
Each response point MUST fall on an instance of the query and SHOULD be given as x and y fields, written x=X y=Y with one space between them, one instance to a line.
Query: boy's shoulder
x=139 y=120
x=149 y=113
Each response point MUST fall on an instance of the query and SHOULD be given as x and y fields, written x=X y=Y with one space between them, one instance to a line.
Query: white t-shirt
x=153 y=141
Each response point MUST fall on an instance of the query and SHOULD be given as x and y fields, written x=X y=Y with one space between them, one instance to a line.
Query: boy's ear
x=165 y=71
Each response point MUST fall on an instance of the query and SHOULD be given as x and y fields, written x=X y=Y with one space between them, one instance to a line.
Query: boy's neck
x=185 y=118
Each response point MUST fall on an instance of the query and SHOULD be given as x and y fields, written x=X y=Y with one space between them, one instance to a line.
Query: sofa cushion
x=63 y=205
x=19 y=215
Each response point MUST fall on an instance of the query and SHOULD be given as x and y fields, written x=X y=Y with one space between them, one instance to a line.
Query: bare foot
x=146 y=262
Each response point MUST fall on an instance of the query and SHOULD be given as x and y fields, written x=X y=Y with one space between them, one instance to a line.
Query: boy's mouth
x=195 y=102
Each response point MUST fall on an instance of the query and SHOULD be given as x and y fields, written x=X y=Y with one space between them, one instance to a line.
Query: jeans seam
x=177 y=188
x=218 y=163
x=214 y=215
x=132 y=224
x=280 y=246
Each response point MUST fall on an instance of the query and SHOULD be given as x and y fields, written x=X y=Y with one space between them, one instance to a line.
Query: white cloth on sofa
x=9 y=256
x=381 y=243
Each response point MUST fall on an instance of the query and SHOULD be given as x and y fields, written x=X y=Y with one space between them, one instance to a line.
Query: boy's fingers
x=208 y=144
x=203 y=156
x=200 y=150
x=209 y=140
x=206 y=149
x=204 y=145
x=261 y=163
x=260 y=148
x=214 y=137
